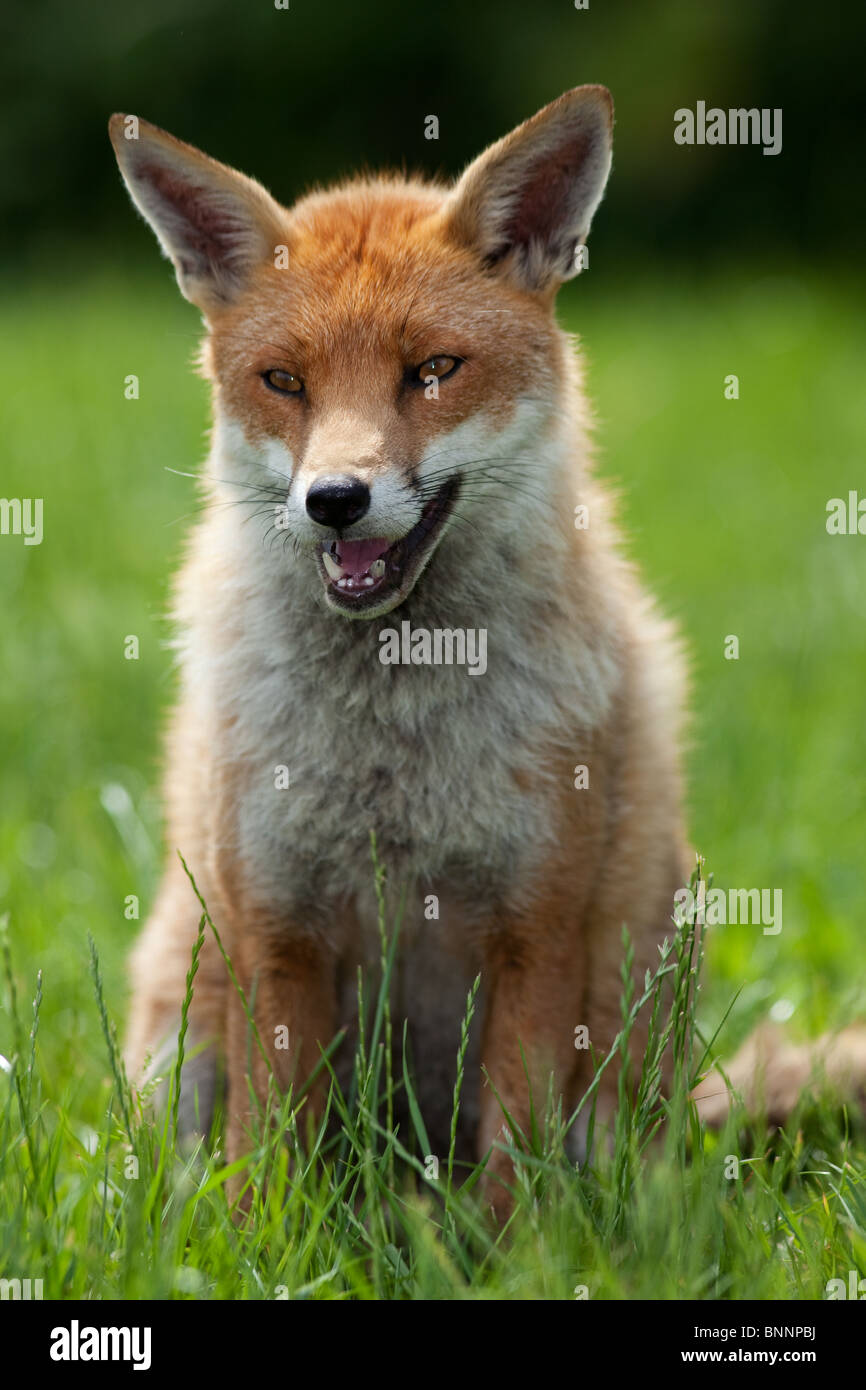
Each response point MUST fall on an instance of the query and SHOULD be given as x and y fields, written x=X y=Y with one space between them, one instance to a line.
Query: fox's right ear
x=213 y=223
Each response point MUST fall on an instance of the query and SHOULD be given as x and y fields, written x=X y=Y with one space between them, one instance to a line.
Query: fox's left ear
x=526 y=203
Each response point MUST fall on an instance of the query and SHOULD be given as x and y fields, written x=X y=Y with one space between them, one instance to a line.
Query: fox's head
x=386 y=362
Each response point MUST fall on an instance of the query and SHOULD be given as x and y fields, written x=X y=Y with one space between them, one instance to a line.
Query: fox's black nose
x=337 y=501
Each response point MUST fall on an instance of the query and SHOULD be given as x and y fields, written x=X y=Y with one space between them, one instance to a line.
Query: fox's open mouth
x=359 y=575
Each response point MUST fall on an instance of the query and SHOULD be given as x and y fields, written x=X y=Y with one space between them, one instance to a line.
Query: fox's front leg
x=535 y=977
x=289 y=983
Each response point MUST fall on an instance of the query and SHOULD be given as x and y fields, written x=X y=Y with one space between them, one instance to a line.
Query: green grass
x=725 y=505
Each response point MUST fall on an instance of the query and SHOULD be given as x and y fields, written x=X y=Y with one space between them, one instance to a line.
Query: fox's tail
x=770 y=1073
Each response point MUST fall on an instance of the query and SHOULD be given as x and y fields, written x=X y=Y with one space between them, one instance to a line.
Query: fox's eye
x=283 y=381
x=439 y=367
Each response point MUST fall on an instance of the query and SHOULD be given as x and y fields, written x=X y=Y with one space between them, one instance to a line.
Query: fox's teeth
x=377 y=569
x=333 y=569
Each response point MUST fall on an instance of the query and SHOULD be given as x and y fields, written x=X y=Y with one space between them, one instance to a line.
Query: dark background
x=315 y=91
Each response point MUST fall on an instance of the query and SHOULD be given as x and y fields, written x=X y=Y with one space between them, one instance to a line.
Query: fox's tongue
x=356 y=557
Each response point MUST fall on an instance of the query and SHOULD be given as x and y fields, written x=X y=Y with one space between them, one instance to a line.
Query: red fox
x=400 y=464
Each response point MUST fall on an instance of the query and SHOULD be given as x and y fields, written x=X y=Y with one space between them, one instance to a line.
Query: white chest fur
x=450 y=770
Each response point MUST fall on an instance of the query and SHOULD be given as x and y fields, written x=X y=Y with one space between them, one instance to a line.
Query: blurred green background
x=703 y=262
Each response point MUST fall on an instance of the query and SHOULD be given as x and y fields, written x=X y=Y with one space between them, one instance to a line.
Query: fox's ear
x=526 y=203
x=213 y=223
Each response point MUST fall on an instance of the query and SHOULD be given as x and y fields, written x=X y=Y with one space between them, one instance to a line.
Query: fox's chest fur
x=323 y=744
